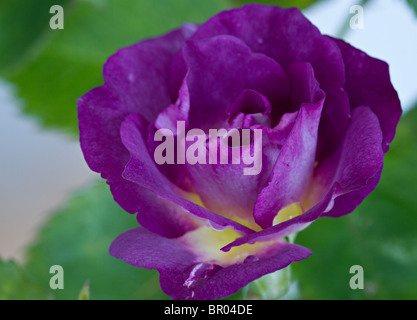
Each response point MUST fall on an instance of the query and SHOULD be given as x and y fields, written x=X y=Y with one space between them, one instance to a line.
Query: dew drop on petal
x=216 y=226
x=250 y=259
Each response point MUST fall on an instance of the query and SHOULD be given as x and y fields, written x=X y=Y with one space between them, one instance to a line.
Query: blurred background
x=54 y=210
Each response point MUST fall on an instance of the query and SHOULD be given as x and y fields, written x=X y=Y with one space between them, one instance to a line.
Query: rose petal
x=304 y=86
x=288 y=227
x=280 y=34
x=142 y=169
x=358 y=160
x=100 y=119
x=184 y=276
x=348 y=202
x=228 y=67
x=139 y=74
x=368 y=84
x=249 y=109
x=176 y=172
x=179 y=68
x=225 y=188
x=102 y=111
x=341 y=182
x=293 y=170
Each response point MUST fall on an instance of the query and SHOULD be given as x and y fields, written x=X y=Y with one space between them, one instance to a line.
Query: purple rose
x=327 y=113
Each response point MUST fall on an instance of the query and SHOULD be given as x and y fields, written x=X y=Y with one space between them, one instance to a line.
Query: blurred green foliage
x=24 y=26
x=17 y=284
x=413 y=4
x=302 y=4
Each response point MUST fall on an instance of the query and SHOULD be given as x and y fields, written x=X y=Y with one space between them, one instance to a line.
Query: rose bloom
x=327 y=112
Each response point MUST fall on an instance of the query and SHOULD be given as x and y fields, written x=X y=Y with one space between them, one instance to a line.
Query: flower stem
x=274 y=286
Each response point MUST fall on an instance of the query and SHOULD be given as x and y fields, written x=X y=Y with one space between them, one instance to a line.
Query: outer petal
x=184 y=276
x=356 y=166
x=348 y=202
x=102 y=111
x=139 y=74
x=100 y=120
x=368 y=84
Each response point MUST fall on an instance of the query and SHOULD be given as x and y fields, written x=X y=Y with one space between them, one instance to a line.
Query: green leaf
x=17 y=284
x=380 y=236
x=70 y=64
x=24 y=27
x=77 y=238
x=413 y=4
x=302 y=4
